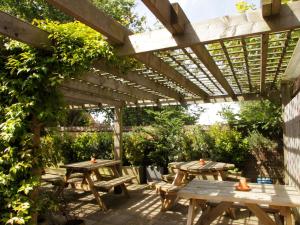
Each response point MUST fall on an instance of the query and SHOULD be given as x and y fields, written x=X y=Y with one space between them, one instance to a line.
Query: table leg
x=95 y=192
x=122 y=186
x=212 y=214
x=191 y=212
x=222 y=175
x=286 y=212
x=260 y=214
x=178 y=180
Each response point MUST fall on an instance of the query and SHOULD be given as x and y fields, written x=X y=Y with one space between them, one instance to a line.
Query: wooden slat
x=170 y=17
x=202 y=70
x=139 y=79
x=270 y=7
x=93 y=78
x=17 y=29
x=230 y=65
x=96 y=90
x=114 y=182
x=263 y=62
x=221 y=191
x=161 y=67
x=283 y=53
x=248 y=24
x=88 y=14
x=75 y=94
x=200 y=51
x=247 y=63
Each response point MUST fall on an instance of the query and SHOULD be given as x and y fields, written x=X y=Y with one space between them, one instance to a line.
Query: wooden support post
x=285 y=98
x=117 y=132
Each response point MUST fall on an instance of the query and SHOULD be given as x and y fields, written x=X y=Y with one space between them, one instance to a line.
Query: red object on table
x=202 y=162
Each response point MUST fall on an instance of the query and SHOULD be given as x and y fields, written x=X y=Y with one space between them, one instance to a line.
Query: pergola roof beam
x=104 y=24
x=96 y=90
x=139 y=79
x=270 y=7
x=17 y=29
x=93 y=78
x=246 y=24
x=88 y=98
x=159 y=9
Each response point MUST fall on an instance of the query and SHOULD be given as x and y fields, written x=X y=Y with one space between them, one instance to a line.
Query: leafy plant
x=229 y=145
x=136 y=146
x=257 y=142
x=30 y=100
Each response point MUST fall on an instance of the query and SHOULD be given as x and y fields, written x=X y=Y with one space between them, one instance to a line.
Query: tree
x=262 y=116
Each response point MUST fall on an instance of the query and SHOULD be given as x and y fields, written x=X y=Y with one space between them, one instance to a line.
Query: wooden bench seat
x=168 y=194
x=114 y=182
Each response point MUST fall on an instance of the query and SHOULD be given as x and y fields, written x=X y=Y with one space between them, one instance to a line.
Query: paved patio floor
x=142 y=208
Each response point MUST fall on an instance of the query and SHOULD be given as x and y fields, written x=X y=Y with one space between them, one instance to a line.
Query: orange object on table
x=93 y=160
x=202 y=162
x=242 y=185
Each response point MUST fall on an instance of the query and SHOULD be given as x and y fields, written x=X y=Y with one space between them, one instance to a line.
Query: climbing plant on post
x=30 y=100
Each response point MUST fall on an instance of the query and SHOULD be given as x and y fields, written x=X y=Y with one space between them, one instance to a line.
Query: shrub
x=257 y=142
x=136 y=146
x=197 y=144
x=229 y=145
x=64 y=148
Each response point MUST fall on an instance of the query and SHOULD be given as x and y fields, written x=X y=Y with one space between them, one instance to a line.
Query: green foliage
x=167 y=135
x=136 y=146
x=28 y=92
x=263 y=116
x=142 y=117
x=229 y=145
x=197 y=144
x=65 y=148
x=122 y=11
x=243 y=6
x=257 y=142
x=32 y=9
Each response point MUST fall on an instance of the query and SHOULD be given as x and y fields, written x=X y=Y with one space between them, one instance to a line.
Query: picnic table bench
x=278 y=197
x=85 y=175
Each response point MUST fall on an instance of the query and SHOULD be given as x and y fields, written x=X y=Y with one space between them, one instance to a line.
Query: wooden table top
x=194 y=166
x=88 y=165
x=270 y=194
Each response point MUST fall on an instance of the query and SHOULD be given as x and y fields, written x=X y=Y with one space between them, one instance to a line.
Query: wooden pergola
x=231 y=58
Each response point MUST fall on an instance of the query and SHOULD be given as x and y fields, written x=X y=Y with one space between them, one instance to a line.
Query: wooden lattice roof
x=229 y=58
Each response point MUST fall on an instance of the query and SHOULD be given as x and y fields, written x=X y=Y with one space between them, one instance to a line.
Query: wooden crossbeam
x=93 y=78
x=88 y=98
x=293 y=69
x=171 y=17
x=263 y=62
x=159 y=9
x=248 y=24
x=17 y=29
x=98 y=91
x=139 y=79
x=82 y=10
x=270 y=7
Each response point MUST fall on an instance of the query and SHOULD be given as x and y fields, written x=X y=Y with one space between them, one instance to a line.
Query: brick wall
x=292 y=143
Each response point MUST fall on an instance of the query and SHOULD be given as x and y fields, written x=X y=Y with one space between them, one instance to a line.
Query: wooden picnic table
x=88 y=168
x=279 y=197
x=217 y=169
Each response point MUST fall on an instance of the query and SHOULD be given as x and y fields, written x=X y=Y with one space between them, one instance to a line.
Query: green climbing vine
x=30 y=100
